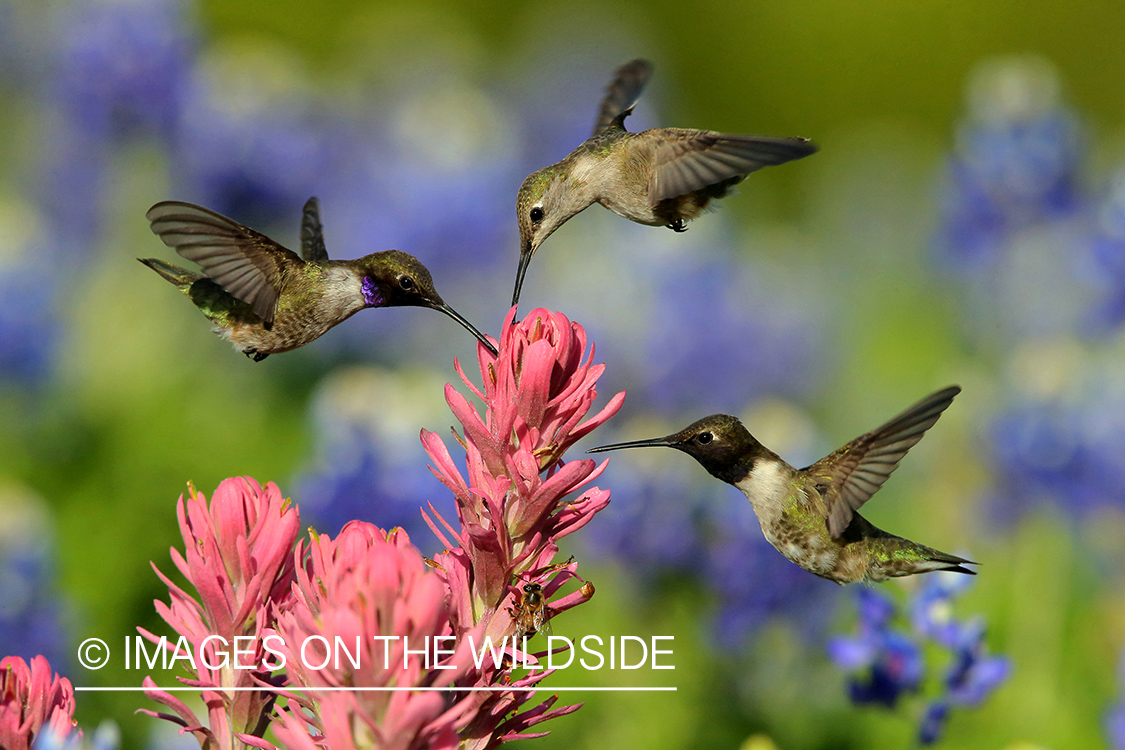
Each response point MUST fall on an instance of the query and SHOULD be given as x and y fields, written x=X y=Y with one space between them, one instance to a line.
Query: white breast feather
x=766 y=487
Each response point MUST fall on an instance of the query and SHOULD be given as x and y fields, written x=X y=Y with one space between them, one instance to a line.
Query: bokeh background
x=964 y=222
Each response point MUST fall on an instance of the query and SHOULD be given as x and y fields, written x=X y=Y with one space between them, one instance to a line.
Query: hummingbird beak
x=525 y=259
x=663 y=441
x=444 y=308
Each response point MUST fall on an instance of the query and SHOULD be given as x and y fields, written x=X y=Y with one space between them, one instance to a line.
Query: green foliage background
x=147 y=399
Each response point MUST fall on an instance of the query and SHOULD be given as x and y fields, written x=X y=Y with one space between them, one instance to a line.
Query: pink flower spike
x=33 y=700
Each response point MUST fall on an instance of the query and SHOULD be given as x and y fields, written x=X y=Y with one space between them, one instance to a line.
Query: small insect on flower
x=530 y=611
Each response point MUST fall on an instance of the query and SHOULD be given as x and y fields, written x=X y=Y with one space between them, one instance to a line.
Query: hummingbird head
x=543 y=205
x=719 y=443
x=392 y=278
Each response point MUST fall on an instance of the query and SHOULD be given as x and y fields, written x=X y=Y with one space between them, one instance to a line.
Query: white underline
x=490 y=689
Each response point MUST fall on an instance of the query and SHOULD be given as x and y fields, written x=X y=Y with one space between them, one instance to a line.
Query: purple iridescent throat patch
x=372 y=297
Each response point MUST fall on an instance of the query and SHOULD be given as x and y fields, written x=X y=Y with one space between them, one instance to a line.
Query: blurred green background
x=415 y=125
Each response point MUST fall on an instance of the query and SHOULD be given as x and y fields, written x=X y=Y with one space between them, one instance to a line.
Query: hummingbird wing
x=689 y=160
x=246 y=263
x=622 y=93
x=312 y=233
x=854 y=473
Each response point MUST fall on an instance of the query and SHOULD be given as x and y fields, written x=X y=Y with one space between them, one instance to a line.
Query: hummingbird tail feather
x=179 y=277
x=936 y=560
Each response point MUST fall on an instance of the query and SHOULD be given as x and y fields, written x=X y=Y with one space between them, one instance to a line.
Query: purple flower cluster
x=884 y=664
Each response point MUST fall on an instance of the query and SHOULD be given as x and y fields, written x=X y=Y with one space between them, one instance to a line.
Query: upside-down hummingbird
x=266 y=299
x=809 y=515
x=658 y=177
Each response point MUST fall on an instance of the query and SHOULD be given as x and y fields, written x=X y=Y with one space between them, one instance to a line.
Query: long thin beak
x=526 y=252
x=633 y=444
x=444 y=308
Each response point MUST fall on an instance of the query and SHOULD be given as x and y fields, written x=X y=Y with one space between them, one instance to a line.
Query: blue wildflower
x=1016 y=164
x=28 y=323
x=121 y=66
x=1060 y=451
x=30 y=616
x=721 y=336
x=971 y=677
x=888 y=662
x=931 y=609
x=653 y=523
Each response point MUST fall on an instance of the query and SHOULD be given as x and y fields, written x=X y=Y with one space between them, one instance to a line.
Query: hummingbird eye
x=704 y=438
x=536 y=215
x=405 y=283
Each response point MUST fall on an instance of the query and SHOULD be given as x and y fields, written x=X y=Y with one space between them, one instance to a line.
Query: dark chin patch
x=372 y=294
x=731 y=469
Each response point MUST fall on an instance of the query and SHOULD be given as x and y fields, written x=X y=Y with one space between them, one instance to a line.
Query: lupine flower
x=1016 y=163
x=368 y=466
x=656 y=522
x=119 y=71
x=536 y=391
x=893 y=664
x=1063 y=449
x=121 y=66
x=971 y=677
x=30 y=615
x=713 y=321
x=1107 y=255
x=252 y=153
x=931 y=609
x=363 y=586
x=888 y=662
x=239 y=557
x=33 y=700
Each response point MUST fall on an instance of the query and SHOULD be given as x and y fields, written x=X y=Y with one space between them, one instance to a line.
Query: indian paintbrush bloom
x=239 y=557
x=362 y=587
x=536 y=391
x=33 y=700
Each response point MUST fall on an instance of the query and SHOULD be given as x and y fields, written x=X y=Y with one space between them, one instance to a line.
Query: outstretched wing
x=855 y=472
x=247 y=264
x=312 y=233
x=622 y=93
x=688 y=160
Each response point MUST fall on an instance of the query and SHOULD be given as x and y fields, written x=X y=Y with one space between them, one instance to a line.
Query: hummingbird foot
x=677 y=225
x=256 y=355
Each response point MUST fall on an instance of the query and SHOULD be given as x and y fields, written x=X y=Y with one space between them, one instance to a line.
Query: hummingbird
x=810 y=515
x=266 y=299
x=658 y=177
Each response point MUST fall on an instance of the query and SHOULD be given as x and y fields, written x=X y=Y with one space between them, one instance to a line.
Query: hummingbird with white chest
x=810 y=515
x=658 y=177
x=264 y=298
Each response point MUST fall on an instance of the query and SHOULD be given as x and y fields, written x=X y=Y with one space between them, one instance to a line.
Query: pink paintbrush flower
x=371 y=593
x=33 y=700
x=239 y=558
x=537 y=390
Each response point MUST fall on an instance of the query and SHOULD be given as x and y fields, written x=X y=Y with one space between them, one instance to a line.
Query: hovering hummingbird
x=809 y=514
x=659 y=177
x=265 y=299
